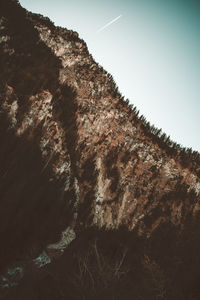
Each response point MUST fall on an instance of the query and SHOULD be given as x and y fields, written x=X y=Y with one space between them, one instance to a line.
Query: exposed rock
x=74 y=153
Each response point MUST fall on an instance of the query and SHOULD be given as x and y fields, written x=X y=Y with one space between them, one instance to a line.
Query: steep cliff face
x=73 y=151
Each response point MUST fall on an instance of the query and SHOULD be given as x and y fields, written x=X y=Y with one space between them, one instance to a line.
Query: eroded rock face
x=74 y=153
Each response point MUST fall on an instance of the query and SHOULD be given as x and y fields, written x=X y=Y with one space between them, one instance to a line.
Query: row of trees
x=187 y=156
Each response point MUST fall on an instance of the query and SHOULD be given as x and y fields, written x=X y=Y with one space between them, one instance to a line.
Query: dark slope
x=74 y=153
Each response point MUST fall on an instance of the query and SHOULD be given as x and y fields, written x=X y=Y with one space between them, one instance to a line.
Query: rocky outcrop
x=73 y=152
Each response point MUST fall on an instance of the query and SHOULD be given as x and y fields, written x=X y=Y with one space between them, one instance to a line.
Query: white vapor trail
x=108 y=24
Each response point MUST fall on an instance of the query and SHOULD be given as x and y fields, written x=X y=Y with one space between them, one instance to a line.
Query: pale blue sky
x=152 y=51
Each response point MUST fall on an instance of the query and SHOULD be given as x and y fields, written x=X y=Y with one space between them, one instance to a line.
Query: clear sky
x=152 y=51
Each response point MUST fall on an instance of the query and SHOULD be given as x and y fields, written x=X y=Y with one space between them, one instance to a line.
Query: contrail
x=108 y=24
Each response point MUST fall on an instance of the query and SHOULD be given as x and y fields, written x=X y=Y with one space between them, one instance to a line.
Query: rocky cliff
x=74 y=153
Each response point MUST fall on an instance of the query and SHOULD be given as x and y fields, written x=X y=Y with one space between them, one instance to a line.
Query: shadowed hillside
x=76 y=157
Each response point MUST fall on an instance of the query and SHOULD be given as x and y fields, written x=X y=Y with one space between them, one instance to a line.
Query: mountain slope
x=74 y=152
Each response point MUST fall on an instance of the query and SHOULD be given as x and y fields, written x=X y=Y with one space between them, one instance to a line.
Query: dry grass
x=97 y=271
